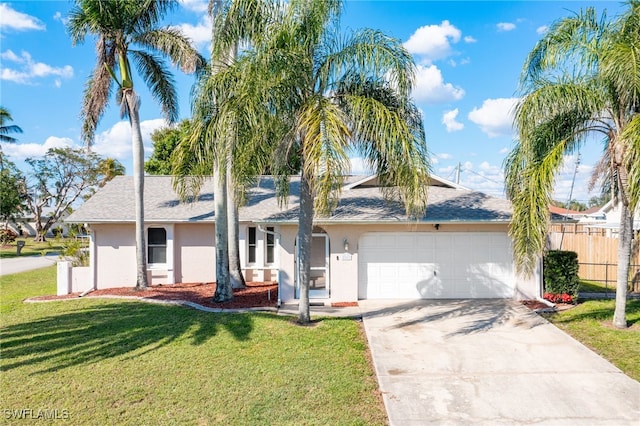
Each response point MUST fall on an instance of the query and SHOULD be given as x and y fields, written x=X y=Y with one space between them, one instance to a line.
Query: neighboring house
x=25 y=224
x=367 y=249
x=609 y=216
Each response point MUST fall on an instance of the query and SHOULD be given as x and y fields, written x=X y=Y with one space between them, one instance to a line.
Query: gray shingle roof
x=115 y=203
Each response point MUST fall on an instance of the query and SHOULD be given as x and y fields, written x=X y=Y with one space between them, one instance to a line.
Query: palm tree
x=118 y=26
x=333 y=94
x=109 y=168
x=580 y=80
x=6 y=129
x=219 y=137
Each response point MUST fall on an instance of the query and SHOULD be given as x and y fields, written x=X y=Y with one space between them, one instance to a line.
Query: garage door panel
x=435 y=265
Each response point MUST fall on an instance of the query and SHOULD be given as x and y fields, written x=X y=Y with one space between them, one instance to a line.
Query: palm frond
x=324 y=128
x=173 y=44
x=97 y=90
x=159 y=80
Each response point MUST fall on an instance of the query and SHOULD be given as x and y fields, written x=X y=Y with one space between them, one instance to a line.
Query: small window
x=252 y=245
x=157 y=245
x=270 y=246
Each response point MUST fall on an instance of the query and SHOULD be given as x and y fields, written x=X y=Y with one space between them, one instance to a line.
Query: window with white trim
x=252 y=244
x=270 y=246
x=156 y=245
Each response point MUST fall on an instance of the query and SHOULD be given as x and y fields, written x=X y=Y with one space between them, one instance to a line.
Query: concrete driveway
x=490 y=362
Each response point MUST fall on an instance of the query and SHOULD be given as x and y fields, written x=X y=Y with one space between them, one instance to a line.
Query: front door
x=319 y=276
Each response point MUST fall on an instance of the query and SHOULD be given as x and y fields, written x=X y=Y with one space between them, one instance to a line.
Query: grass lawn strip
x=124 y=362
x=590 y=323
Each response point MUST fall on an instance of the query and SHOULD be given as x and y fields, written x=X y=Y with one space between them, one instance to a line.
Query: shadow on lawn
x=93 y=333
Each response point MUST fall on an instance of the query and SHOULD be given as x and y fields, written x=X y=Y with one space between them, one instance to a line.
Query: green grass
x=124 y=362
x=590 y=323
x=587 y=286
x=31 y=248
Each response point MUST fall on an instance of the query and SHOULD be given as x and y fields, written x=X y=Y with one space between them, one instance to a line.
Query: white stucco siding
x=115 y=255
x=195 y=253
x=343 y=264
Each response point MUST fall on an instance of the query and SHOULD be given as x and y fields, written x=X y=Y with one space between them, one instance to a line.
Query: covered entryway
x=435 y=265
x=319 y=273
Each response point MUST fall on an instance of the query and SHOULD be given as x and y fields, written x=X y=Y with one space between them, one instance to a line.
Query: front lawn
x=101 y=361
x=31 y=247
x=590 y=323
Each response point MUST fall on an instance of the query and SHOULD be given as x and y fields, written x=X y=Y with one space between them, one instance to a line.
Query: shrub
x=561 y=273
x=7 y=236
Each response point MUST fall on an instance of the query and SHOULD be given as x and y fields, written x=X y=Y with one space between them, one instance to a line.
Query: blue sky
x=468 y=56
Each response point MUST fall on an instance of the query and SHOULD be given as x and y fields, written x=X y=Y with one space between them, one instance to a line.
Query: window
x=270 y=246
x=252 y=244
x=157 y=245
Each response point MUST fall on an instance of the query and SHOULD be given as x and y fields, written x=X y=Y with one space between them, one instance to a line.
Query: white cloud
x=565 y=180
x=445 y=156
x=28 y=69
x=485 y=177
x=199 y=34
x=116 y=141
x=431 y=88
x=433 y=42
x=469 y=39
x=198 y=6
x=12 y=19
x=20 y=151
x=504 y=150
x=494 y=117
x=542 y=30
x=506 y=26
x=449 y=120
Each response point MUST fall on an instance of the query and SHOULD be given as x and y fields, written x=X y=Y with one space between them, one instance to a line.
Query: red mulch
x=343 y=304
x=255 y=295
x=534 y=304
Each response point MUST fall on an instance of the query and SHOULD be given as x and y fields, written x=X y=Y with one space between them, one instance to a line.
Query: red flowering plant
x=558 y=297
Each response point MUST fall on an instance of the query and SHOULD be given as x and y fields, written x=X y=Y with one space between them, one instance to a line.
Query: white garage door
x=435 y=265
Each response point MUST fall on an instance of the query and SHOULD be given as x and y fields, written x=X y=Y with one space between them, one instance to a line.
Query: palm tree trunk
x=224 y=292
x=138 y=188
x=625 y=239
x=235 y=269
x=305 y=230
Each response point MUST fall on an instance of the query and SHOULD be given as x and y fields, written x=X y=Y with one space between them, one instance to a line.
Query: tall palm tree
x=5 y=128
x=119 y=26
x=581 y=80
x=333 y=94
x=220 y=136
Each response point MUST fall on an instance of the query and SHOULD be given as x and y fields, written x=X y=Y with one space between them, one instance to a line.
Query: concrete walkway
x=13 y=265
x=490 y=362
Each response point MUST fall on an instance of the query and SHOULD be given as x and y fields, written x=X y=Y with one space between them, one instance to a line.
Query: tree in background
x=581 y=79
x=165 y=142
x=126 y=33
x=12 y=190
x=5 y=128
x=108 y=169
x=56 y=181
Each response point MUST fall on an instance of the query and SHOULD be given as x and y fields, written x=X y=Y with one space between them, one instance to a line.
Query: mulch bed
x=534 y=304
x=255 y=295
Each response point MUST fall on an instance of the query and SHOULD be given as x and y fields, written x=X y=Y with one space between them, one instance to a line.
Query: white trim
x=168 y=266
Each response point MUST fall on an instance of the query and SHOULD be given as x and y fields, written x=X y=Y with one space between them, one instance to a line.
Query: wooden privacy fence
x=597 y=253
